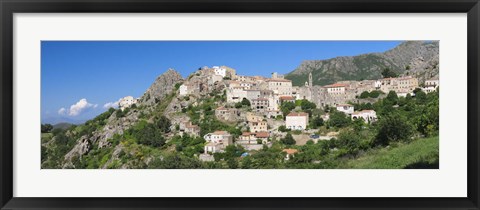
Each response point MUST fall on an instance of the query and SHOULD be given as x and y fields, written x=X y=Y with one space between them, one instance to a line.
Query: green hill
x=420 y=153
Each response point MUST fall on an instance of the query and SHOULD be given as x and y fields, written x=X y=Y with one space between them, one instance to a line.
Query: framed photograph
x=239 y=105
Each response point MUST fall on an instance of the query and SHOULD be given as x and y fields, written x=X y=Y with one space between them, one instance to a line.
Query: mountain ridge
x=416 y=58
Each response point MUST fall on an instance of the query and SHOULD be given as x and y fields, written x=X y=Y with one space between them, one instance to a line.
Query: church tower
x=310 y=79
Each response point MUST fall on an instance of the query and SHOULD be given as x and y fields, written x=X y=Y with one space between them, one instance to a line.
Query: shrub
x=288 y=140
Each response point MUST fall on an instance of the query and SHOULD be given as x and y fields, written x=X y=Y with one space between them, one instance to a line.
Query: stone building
x=345 y=108
x=259 y=105
x=297 y=121
x=217 y=141
x=257 y=126
x=367 y=115
x=227 y=114
x=282 y=87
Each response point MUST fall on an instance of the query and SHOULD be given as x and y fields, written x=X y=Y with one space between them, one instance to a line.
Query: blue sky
x=104 y=71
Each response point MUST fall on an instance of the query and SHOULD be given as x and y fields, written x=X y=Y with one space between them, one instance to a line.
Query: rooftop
x=290 y=151
x=278 y=80
x=260 y=99
x=335 y=85
x=262 y=134
x=365 y=111
x=220 y=133
x=221 y=108
x=246 y=134
x=286 y=97
x=297 y=114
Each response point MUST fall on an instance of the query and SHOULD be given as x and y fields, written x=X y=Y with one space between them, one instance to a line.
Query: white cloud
x=111 y=104
x=62 y=111
x=77 y=108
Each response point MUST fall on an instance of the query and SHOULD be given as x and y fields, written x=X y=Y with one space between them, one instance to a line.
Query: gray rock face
x=165 y=83
x=162 y=86
x=416 y=58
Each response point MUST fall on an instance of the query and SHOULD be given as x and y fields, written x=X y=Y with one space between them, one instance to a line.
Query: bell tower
x=310 y=79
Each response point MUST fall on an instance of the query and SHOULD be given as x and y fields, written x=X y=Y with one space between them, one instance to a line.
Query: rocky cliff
x=416 y=58
x=117 y=124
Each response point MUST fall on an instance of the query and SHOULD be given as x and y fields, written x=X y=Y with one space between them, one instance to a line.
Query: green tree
x=245 y=102
x=283 y=128
x=163 y=123
x=307 y=105
x=288 y=140
x=392 y=98
x=420 y=97
x=350 y=142
x=46 y=128
x=387 y=72
x=392 y=128
x=287 y=107
x=375 y=93
x=339 y=119
x=364 y=94
x=317 y=122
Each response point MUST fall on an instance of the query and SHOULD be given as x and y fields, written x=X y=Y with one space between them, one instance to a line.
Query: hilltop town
x=263 y=110
x=373 y=110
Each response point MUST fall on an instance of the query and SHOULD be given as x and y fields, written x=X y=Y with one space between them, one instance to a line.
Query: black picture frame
x=9 y=7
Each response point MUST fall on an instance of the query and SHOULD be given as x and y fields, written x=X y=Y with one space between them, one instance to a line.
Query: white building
x=126 y=102
x=183 y=90
x=431 y=85
x=345 y=108
x=220 y=71
x=297 y=121
x=235 y=94
x=367 y=115
x=435 y=82
x=217 y=141
x=336 y=89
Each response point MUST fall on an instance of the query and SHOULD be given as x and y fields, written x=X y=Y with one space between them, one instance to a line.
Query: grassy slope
x=421 y=153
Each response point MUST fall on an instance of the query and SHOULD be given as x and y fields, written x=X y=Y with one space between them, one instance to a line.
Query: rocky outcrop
x=416 y=58
x=162 y=85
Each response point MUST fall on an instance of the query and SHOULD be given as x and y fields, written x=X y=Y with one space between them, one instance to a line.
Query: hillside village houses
x=345 y=108
x=217 y=141
x=227 y=114
x=367 y=115
x=267 y=94
x=297 y=121
x=431 y=85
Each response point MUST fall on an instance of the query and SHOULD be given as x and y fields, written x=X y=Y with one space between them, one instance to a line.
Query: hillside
x=421 y=153
x=94 y=144
x=417 y=58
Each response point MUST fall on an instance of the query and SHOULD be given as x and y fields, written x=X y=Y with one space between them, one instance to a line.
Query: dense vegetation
x=405 y=136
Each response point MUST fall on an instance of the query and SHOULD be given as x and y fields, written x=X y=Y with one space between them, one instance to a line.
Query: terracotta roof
x=262 y=134
x=335 y=85
x=290 y=151
x=192 y=126
x=296 y=114
x=220 y=133
x=246 y=134
x=286 y=97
